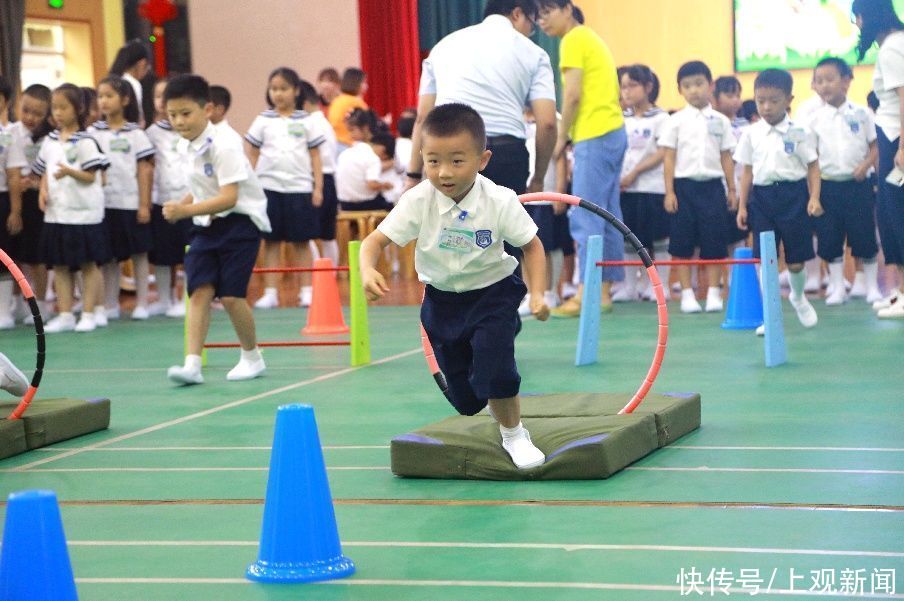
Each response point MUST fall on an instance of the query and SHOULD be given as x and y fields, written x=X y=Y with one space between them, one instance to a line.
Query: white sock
x=871 y=273
x=798 y=281
x=811 y=268
x=269 y=291
x=330 y=250
x=111 y=285
x=836 y=275
x=510 y=433
x=164 y=276
x=315 y=252
x=193 y=362
x=252 y=355
x=141 y=270
x=555 y=259
x=6 y=297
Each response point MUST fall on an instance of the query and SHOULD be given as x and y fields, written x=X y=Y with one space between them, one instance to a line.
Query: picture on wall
x=795 y=34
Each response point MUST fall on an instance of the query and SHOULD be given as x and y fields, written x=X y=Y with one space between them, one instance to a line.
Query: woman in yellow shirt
x=353 y=87
x=592 y=119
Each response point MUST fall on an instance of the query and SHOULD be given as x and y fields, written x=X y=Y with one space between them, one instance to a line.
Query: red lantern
x=158 y=12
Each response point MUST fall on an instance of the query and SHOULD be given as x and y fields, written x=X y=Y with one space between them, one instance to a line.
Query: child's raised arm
x=374 y=283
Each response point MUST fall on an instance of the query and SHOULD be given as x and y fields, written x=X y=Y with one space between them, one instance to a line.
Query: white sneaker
x=156 y=308
x=181 y=374
x=568 y=290
x=140 y=313
x=624 y=295
x=267 y=301
x=896 y=311
x=524 y=307
x=246 y=370
x=761 y=330
x=813 y=284
x=551 y=299
x=12 y=380
x=887 y=302
x=523 y=452
x=689 y=302
x=858 y=290
x=112 y=314
x=714 y=300
x=805 y=311
x=836 y=296
x=64 y=322
x=873 y=295
x=7 y=322
x=100 y=317
x=86 y=322
x=305 y=296
x=176 y=310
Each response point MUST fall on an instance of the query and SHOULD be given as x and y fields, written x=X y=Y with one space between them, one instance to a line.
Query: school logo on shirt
x=208 y=169
x=484 y=238
x=71 y=154
x=119 y=145
x=296 y=129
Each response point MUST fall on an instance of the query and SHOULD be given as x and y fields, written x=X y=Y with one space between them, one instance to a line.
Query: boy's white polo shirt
x=216 y=159
x=357 y=165
x=12 y=153
x=459 y=245
x=70 y=201
x=699 y=136
x=843 y=136
x=643 y=140
x=170 y=182
x=285 y=146
x=29 y=146
x=123 y=148
x=779 y=153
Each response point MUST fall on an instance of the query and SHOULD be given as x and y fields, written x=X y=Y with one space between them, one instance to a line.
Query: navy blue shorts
x=641 y=213
x=890 y=204
x=28 y=244
x=329 y=209
x=782 y=208
x=125 y=235
x=473 y=337
x=293 y=218
x=700 y=220
x=223 y=254
x=170 y=239
x=564 y=241
x=850 y=211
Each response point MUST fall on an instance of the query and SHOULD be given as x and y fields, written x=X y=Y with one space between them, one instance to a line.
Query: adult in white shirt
x=494 y=68
x=879 y=23
x=132 y=63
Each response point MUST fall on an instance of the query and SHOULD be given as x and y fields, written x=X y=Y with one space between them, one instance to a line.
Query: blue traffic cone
x=299 y=539
x=745 y=300
x=34 y=562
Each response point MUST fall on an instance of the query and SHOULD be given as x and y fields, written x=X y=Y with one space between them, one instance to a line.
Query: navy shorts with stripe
x=223 y=255
x=293 y=217
x=850 y=212
x=700 y=221
x=473 y=337
x=782 y=208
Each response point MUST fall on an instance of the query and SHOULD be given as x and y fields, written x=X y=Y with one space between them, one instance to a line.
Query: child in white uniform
x=127 y=191
x=470 y=312
x=73 y=237
x=12 y=160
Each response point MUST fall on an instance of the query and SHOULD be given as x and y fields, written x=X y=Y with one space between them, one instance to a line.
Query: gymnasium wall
x=239 y=46
x=665 y=33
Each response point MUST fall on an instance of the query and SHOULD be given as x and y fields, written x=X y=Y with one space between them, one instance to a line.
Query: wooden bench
x=356 y=225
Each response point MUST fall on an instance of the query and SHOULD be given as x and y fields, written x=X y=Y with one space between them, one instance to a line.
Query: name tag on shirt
x=119 y=145
x=296 y=129
x=457 y=239
x=71 y=154
x=715 y=127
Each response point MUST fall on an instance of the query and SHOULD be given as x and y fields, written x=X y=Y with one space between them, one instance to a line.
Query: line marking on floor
x=383 y=447
x=490 y=584
x=211 y=411
x=703 y=469
x=515 y=546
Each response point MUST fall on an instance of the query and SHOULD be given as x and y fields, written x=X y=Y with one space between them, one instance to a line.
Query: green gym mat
x=47 y=421
x=580 y=433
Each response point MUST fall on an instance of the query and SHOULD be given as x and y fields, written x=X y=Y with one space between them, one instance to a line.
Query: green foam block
x=48 y=421
x=581 y=435
x=12 y=437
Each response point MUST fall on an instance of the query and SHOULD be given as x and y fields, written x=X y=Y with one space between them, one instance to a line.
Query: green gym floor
x=795 y=478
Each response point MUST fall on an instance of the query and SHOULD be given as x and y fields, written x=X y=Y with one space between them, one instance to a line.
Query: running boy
x=846 y=138
x=698 y=143
x=780 y=161
x=229 y=209
x=470 y=312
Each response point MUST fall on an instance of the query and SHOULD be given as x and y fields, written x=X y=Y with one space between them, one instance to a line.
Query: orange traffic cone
x=325 y=313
